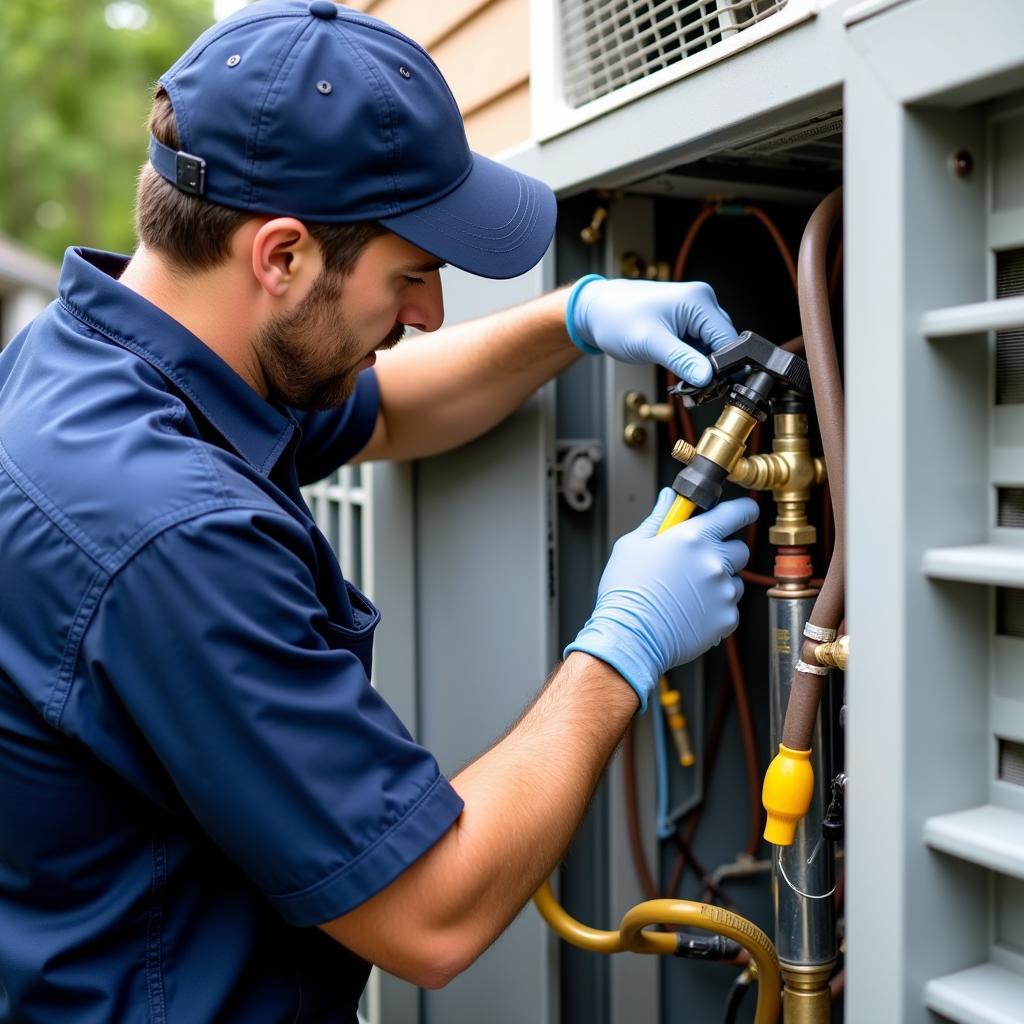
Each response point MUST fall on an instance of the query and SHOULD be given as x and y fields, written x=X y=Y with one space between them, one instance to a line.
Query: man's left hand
x=652 y=322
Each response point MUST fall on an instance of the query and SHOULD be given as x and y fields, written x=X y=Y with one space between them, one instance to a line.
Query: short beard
x=309 y=356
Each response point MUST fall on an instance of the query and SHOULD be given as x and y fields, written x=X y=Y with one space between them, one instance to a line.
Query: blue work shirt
x=194 y=768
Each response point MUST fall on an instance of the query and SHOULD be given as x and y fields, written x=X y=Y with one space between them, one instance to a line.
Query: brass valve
x=635 y=267
x=591 y=234
x=834 y=653
x=635 y=407
x=789 y=472
x=660 y=412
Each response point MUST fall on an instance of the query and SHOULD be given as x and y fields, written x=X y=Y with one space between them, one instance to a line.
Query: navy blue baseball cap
x=315 y=111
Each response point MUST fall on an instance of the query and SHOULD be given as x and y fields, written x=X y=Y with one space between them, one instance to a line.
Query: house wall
x=483 y=49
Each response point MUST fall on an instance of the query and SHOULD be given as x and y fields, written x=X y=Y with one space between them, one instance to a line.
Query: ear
x=284 y=256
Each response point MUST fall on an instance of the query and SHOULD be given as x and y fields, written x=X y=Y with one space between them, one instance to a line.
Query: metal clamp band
x=811 y=670
x=819 y=633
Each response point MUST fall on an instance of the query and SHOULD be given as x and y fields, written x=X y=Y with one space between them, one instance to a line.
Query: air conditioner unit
x=590 y=56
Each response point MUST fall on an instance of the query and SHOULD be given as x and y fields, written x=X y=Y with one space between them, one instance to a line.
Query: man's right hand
x=664 y=599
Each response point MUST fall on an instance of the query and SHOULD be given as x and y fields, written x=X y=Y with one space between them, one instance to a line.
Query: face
x=311 y=355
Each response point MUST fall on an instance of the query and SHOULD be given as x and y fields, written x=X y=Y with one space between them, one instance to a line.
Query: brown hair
x=195 y=235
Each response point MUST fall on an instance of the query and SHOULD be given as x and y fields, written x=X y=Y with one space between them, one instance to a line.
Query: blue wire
x=664 y=829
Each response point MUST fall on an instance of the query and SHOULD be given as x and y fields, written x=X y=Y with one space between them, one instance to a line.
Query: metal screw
x=405 y=72
x=234 y=60
x=324 y=87
x=634 y=435
x=963 y=163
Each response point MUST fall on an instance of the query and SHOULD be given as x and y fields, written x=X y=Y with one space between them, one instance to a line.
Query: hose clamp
x=819 y=633
x=811 y=670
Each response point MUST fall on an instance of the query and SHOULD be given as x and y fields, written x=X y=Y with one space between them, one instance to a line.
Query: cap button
x=325 y=9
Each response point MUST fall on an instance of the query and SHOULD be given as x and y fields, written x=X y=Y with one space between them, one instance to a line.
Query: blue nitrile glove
x=664 y=599
x=649 y=322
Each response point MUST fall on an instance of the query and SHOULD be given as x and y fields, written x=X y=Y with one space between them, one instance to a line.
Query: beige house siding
x=483 y=48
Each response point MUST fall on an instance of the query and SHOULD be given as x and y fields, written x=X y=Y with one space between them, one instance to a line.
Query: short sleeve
x=259 y=709
x=330 y=438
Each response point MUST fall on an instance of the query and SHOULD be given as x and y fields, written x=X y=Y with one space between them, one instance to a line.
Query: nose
x=423 y=305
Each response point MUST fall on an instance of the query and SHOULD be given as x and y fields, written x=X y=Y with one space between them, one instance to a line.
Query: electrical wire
x=636 y=845
x=662 y=827
x=737 y=990
x=746 y=720
x=685 y=843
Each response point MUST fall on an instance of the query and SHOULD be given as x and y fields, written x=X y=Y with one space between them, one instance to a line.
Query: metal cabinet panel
x=484 y=604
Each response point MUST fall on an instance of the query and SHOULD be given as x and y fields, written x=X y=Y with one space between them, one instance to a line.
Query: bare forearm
x=441 y=390
x=524 y=800
x=525 y=797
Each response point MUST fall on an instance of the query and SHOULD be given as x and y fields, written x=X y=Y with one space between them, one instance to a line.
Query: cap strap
x=183 y=170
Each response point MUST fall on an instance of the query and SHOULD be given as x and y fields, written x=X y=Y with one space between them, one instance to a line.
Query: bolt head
x=634 y=435
x=963 y=163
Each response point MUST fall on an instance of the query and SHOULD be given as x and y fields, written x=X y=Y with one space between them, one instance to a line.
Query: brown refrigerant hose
x=826 y=383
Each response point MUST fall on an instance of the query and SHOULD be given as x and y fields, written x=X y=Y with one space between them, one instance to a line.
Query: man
x=207 y=813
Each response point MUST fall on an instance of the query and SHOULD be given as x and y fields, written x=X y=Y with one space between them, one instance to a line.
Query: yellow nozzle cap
x=787 y=792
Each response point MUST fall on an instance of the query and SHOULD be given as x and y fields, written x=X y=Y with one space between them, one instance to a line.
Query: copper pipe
x=780 y=242
x=689 y=238
x=828 y=526
x=819 y=342
x=835 y=274
x=838 y=983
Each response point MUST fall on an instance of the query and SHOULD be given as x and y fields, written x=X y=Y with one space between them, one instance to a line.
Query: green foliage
x=74 y=97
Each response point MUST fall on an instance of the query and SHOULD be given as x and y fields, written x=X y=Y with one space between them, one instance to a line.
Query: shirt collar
x=89 y=289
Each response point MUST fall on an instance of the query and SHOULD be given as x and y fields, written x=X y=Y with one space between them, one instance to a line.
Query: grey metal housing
x=935 y=809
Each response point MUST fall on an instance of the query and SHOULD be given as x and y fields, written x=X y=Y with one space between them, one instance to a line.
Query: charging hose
x=632 y=937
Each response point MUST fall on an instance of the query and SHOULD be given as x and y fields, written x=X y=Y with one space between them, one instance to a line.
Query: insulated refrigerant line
x=789 y=782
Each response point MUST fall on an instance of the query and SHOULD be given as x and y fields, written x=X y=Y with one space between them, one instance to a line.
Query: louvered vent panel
x=1010 y=344
x=1010 y=507
x=1010 y=612
x=607 y=44
x=1011 y=762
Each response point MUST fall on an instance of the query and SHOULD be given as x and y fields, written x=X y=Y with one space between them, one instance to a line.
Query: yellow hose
x=632 y=937
x=681 y=510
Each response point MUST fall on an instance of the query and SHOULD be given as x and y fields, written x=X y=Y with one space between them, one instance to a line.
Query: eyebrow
x=427 y=267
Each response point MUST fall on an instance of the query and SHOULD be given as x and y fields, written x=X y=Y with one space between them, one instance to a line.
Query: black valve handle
x=766 y=365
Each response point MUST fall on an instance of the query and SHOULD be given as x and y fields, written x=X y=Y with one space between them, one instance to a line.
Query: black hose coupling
x=706 y=947
x=747 y=372
x=766 y=365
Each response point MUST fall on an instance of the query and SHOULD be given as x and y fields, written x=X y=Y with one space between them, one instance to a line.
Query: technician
x=206 y=812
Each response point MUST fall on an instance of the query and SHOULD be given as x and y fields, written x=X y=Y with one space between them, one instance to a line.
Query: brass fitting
x=834 y=653
x=788 y=472
x=660 y=412
x=683 y=451
x=672 y=704
x=724 y=443
x=806 y=998
x=591 y=234
x=635 y=267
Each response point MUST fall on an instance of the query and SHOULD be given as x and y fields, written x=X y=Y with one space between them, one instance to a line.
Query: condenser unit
x=590 y=56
